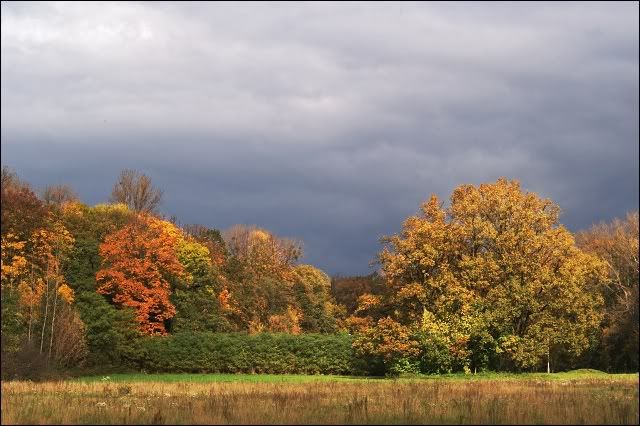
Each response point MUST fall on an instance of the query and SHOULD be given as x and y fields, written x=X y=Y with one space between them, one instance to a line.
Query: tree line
x=491 y=281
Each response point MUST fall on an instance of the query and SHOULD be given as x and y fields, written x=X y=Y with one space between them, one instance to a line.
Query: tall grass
x=220 y=378
x=305 y=378
x=566 y=401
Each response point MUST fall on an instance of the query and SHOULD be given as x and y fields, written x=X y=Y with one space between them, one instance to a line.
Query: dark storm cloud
x=321 y=121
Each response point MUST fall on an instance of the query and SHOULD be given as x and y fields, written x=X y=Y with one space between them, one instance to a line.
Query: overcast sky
x=325 y=122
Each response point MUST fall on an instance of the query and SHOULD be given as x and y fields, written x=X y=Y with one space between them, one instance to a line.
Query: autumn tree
x=196 y=295
x=23 y=216
x=139 y=261
x=347 y=290
x=9 y=180
x=52 y=247
x=212 y=240
x=312 y=292
x=14 y=269
x=616 y=243
x=494 y=273
x=262 y=251
x=260 y=276
x=136 y=191
x=49 y=301
x=391 y=343
x=265 y=290
x=37 y=302
x=287 y=322
x=58 y=194
x=90 y=226
x=22 y=212
x=42 y=289
x=110 y=331
x=69 y=341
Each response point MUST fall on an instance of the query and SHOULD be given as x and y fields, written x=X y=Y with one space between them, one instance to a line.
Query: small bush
x=27 y=363
x=404 y=367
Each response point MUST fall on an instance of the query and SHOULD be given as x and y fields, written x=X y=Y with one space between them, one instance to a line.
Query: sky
x=325 y=122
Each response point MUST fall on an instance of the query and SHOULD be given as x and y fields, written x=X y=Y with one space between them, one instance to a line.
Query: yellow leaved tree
x=493 y=278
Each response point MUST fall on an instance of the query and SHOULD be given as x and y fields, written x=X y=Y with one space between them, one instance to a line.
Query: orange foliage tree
x=138 y=262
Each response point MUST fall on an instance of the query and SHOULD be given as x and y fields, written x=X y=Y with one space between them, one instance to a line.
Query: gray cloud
x=329 y=122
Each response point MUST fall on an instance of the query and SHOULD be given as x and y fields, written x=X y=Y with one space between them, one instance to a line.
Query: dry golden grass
x=376 y=401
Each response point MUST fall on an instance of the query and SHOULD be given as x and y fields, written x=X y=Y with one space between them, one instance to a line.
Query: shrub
x=404 y=366
x=267 y=353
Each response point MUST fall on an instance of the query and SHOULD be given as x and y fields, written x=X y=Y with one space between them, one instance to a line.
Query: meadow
x=582 y=397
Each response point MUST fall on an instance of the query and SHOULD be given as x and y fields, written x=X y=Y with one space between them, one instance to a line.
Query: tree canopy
x=491 y=280
x=136 y=191
x=493 y=272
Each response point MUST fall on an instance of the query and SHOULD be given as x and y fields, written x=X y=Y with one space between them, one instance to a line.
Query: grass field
x=583 y=397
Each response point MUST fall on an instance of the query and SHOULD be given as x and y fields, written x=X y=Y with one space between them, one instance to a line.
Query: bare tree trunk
x=53 y=318
x=548 y=363
x=31 y=307
x=46 y=308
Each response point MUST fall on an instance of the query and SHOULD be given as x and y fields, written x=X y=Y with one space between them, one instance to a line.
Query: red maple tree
x=138 y=261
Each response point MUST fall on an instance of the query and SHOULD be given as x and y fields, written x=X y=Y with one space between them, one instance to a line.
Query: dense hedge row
x=244 y=353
